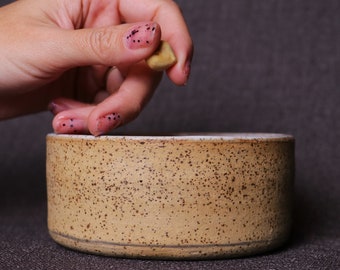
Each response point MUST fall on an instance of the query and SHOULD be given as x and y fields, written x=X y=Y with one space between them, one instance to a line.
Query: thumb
x=110 y=46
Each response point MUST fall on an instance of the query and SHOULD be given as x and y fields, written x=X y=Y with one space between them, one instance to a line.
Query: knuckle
x=134 y=109
x=101 y=42
x=175 y=6
x=131 y=106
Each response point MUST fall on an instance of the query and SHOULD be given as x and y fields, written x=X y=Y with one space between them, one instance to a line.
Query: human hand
x=80 y=58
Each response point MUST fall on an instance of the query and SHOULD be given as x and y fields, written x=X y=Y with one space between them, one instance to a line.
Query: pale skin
x=84 y=60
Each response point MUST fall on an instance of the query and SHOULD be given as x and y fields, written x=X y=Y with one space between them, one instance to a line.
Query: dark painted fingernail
x=107 y=122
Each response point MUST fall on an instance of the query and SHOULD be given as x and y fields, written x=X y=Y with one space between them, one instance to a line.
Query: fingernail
x=107 y=122
x=70 y=126
x=56 y=107
x=141 y=35
x=187 y=69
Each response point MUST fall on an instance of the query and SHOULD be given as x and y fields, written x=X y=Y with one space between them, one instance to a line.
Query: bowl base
x=168 y=252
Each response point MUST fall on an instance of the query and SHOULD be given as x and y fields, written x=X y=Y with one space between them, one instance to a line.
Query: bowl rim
x=183 y=136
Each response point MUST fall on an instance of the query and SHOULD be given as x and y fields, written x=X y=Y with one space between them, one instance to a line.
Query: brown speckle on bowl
x=170 y=197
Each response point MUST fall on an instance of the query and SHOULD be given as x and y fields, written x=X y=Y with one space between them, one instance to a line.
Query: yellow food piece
x=163 y=58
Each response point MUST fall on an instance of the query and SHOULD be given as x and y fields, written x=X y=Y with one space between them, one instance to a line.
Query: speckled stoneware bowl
x=170 y=197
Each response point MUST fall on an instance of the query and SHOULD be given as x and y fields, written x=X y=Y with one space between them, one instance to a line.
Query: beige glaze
x=172 y=197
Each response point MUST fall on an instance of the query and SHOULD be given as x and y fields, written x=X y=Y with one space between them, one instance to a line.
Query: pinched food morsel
x=163 y=58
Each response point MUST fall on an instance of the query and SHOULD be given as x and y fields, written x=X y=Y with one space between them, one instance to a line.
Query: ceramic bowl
x=170 y=197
